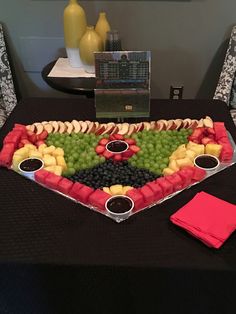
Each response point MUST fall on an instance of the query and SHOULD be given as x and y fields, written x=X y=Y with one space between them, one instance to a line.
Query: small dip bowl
x=119 y=207
x=207 y=162
x=29 y=166
x=117 y=146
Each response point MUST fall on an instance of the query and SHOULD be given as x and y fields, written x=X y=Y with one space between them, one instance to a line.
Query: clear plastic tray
x=119 y=218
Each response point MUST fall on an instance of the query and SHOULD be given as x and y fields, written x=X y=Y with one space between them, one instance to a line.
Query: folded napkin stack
x=207 y=218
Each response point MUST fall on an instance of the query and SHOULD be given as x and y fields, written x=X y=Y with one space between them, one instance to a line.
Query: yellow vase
x=102 y=27
x=89 y=43
x=75 y=24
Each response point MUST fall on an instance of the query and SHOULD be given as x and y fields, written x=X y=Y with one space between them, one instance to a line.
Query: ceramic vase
x=89 y=43
x=102 y=27
x=75 y=24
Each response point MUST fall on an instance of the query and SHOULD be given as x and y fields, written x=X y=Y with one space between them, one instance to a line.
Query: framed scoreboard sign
x=122 y=84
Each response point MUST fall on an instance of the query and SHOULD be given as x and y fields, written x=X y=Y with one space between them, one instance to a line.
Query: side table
x=78 y=86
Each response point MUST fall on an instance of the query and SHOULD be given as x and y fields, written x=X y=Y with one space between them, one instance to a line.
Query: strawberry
x=107 y=154
x=29 y=133
x=130 y=141
x=211 y=131
x=206 y=140
x=33 y=138
x=104 y=141
x=127 y=154
x=118 y=136
x=42 y=136
x=112 y=138
x=99 y=149
x=197 y=135
x=134 y=148
x=38 y=143
x=118 y=157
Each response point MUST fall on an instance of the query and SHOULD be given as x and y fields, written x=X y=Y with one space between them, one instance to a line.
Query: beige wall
x=187 y=39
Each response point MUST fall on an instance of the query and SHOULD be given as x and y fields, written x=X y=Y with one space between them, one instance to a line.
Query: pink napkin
x=207 y=218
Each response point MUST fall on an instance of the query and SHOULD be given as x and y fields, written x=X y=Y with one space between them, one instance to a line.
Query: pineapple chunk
x=30 y=146
x=61 y=162
x=58 y=170
x=35 y=153
x=58 y=152
x=24 y=152
x=41 y=147
x=173 y=165
x=107 y=190
x=126 y=188
x=49 y=149
x=54 y=169
x=116 y=189
x=180 y=152
x=213 y=149
x=49 y=160
x=190 y=154
x=16 y=160
x=199 y=149
x=167 y=171
x=50 y=168
x=184 y=162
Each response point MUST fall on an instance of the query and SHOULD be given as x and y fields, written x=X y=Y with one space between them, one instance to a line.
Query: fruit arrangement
x=90 y=162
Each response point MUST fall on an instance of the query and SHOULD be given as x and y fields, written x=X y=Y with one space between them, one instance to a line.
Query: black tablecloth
x=59 y=257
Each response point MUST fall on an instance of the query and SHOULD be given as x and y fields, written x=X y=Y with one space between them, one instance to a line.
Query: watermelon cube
x=148 y=194
x=176 y=181
x=166 y=186
x=84 y=194
x=137 y=198
x=41 y=175
x=198 y=174
x=220 y=130
x=13 y=137
x=186 y=176
x=6 y=154
x=157 y=190
x=74 y=191
x=52 y=180
x=98 y=199
x=18 y=126
x=226 y=152
x=64 y=186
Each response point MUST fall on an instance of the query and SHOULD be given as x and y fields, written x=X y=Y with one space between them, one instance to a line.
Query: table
x=58 y=257
x=77 y=86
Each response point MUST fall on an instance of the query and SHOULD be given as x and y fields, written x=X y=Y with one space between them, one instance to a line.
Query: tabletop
x=68 y=258
x=78 y=86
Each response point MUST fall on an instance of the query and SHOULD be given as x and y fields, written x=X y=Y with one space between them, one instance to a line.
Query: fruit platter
x=118 y=169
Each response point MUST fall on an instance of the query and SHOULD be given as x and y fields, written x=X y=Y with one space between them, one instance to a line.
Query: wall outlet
x=176 y=92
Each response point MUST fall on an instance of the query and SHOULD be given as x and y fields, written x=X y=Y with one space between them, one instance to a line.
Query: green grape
x=71 y=171
x=75 y=156
x=102 y=159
